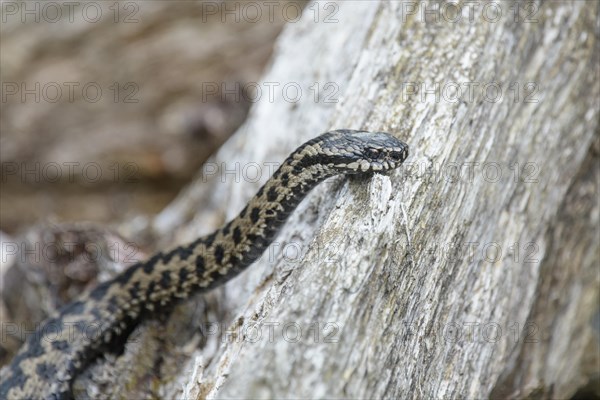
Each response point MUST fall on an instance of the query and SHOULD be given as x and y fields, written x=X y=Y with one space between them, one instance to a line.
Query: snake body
x=101 y=320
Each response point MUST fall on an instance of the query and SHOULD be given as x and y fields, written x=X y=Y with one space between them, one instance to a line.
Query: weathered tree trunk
x=470 y=272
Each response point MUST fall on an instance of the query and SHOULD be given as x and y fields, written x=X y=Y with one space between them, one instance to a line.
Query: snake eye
x=373 y=154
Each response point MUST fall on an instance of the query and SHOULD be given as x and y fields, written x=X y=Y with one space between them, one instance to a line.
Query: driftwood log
x=472 y=272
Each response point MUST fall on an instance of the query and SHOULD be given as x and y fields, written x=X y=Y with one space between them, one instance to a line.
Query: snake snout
x=399 y=155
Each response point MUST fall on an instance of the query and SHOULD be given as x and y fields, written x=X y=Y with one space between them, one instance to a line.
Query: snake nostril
x=396 y=155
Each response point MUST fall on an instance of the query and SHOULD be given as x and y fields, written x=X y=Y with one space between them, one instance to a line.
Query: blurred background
x=109 y=108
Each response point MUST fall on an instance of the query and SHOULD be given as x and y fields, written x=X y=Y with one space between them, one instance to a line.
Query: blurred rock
x=104 y=101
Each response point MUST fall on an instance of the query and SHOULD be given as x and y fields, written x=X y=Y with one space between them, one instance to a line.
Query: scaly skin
x=101 y=321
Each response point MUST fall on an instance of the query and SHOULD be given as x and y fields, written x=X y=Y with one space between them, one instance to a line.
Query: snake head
x=358 y=152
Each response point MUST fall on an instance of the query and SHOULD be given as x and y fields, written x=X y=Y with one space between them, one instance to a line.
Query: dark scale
x=210 y=239
x=254 y=215
x=45 y=371
x=183 y=274
x=165 y=280
x=237 y=235
x=96 y=312
x=169 y=256
x=185 y=253
x=100 y=291
x=134 y=290
x=125 y=277
x=150 y=264
x=226 y=229
x=219 y=252
x=60 y=345
x=150 y=289
x=272 y=194
x=234 y=260
x=76 y=308
x=199 y=264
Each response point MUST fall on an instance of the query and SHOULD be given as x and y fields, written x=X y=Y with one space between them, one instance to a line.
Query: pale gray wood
x=399 y=263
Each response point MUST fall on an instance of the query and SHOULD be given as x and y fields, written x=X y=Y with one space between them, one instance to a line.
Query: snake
x=101 y=320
